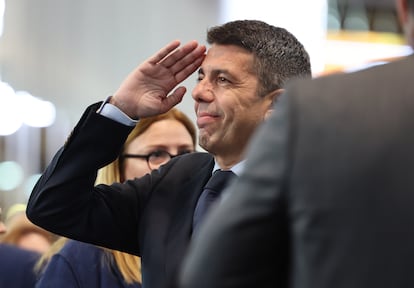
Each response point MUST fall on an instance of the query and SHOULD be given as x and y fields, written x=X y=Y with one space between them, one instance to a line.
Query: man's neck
x=236 y=168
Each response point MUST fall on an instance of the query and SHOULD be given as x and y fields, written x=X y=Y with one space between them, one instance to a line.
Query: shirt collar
x=237 y=169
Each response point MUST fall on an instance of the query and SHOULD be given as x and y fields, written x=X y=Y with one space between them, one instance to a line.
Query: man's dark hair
x=278 y=55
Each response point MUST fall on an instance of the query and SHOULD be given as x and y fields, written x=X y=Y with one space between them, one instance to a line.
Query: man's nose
x=203 y=91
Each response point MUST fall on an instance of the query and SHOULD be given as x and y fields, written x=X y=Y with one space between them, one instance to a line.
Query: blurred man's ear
x=273 y=96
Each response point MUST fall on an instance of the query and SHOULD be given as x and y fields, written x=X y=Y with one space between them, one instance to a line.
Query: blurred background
x=57 y=57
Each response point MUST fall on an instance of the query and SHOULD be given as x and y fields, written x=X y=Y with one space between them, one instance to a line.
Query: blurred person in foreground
x=326 y=199
x=23 y=233
x=239 y=78
x=153 y=142
x=16 y=264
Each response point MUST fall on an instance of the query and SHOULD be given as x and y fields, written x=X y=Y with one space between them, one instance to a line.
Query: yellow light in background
x=353 y=50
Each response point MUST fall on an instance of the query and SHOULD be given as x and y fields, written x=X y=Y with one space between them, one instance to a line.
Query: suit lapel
x=179 y=234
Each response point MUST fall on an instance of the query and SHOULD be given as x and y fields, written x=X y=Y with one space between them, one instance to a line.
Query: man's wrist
x=124 y=107
x=113 y=112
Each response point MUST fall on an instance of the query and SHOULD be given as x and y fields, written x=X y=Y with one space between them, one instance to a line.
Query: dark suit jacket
x=150 y=217
x=327 y=196
x=17 y=267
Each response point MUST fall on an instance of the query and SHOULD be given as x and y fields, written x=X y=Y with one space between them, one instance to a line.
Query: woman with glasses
x=153 y=142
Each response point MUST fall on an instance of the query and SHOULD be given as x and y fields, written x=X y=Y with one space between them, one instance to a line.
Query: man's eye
x=222 y=79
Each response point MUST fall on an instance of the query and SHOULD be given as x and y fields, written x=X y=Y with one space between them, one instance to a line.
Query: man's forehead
x=226 y=59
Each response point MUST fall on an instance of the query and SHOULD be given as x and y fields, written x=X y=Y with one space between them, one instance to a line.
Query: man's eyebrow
x=221 y=71
x=215 y=71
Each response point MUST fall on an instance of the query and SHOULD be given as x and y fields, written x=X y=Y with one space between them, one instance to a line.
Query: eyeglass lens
x=157 y=158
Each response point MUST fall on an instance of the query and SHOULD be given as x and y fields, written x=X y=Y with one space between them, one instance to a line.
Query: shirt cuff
x=112 y=112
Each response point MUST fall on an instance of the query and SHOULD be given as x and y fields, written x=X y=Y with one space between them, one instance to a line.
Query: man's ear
x=273 y=96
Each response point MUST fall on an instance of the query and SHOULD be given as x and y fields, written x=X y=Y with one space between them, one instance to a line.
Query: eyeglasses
x=155 y=159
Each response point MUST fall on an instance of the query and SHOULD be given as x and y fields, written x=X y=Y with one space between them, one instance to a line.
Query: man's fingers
x=163 y=52
x=186 y=70
x=173 y=99
x=180 y=54
x=180 y=61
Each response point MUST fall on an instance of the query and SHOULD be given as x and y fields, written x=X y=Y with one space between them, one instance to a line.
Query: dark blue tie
x=211 y=192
